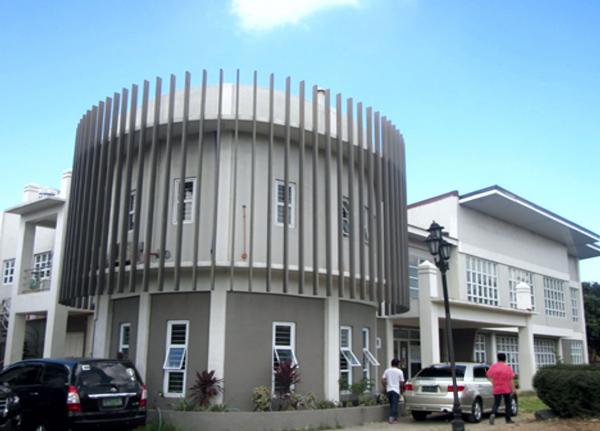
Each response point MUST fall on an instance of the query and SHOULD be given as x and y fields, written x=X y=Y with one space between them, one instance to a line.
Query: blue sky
x=504 y=92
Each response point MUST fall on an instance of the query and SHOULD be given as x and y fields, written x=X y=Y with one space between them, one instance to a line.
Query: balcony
x=36 y=279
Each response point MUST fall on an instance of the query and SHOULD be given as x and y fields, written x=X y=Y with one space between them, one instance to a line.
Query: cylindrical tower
x=226 y=205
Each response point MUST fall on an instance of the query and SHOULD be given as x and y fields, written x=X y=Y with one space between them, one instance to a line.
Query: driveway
x=523 y=422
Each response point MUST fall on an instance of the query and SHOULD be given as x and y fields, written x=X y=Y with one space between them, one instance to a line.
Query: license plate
x=429 y=388
x=112 y=402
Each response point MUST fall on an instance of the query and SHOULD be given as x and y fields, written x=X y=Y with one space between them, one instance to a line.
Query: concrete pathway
x=442 y=422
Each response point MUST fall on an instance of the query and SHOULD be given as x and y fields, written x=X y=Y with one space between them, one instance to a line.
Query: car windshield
x=442 y=371
x=105 y=373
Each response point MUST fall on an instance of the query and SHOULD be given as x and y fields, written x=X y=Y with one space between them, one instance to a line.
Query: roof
x=511 y=208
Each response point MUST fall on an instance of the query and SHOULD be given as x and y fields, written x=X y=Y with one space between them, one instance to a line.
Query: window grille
x=545 y=352
x=8 y=271
x=482 y=282
x=479 y=353
x=189 y=195
x=175 y=358
x=554 y=297
x=517 y=276
x=574 y=304
x=510 y=346
x=280 y=199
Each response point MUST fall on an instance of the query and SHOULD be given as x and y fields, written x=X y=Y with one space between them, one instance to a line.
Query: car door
x=483 y=385
x=24 y=381
x=53 y=397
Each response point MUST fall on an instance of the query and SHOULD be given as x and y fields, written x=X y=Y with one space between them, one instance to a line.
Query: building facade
x=232 y=227
x=500 y=240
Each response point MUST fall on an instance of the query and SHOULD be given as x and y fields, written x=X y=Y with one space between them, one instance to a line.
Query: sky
x=485 y=92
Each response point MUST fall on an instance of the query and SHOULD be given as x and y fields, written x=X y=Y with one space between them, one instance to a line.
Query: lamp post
x=440 y=249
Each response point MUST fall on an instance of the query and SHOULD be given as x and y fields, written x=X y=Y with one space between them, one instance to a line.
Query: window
x=8 y=271
x=42 y=265
x=55 y=376
x=545 y=352
x=554 y=297
x=189 y=194
x=124 y=331
x=284 y=343
x=517 y=276
x=280 y=199
x=510 y=346
x=24 y=375
x=576 y=352
x=574 y=304
x=479 y=354
x=131 y=211
x=480 y=372
x=413 y=275
x=368 y=358
x=482 y=282
x=345 y=216
x=347 y=358
x=175 y=358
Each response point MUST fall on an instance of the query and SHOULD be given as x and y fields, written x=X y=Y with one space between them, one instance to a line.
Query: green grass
x=154 y=427
x=529 y=402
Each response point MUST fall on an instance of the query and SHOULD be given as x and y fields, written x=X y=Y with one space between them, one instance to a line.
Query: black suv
x=65 y=394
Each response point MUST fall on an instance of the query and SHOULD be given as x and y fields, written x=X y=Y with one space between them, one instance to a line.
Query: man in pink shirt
x=502 y=377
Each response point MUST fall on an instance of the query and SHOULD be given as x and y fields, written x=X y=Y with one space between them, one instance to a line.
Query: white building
x=500 y=240
x=31 y=236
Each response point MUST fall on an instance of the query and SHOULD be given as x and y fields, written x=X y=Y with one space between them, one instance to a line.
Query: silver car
x=431 y=391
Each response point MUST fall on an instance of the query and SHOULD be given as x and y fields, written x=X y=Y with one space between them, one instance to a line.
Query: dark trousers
x=393 y=397
x=507 y=405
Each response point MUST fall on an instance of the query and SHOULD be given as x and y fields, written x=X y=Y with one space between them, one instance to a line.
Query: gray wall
x=124 y=310
x=360 y=316
x=178 y=306
x=248 y=347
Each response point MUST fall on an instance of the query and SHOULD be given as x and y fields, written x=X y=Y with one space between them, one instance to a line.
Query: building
x=232 y=227
x=500 y=240
x=30 y=253
x=220 y=228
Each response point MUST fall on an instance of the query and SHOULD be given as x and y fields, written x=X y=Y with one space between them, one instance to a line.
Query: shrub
x=367 y=400
x=569 y=390
x=361 y=387
x=261 y=397
x=185 y=405
x=286 y=376
x=206 y=387
x=325 y=404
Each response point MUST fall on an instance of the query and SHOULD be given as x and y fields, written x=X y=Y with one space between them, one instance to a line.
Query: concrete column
x=428 y=315
x=56 y=331
x=526 y=357
x=560 y=351
x=24 y=255
x=143 y=334
x=389 y=341
x=332 y=348
x=57 y=315
x=15 y=337
x=100 y=342
x=216 y=334
x=494 y=350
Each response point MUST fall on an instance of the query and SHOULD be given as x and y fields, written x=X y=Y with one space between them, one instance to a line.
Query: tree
x=591 y=301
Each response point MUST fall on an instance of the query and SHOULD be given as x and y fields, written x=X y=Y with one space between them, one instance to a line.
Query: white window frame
x=509 y=345
x=42 y=265
x=368 y=357
x=276 y=347
x=281 y=203
x=554 y=297
x=482 y=281
x=545 y=352
x=516 y=276
x=414 y=290
x=186 y=201
x=347 y=354
x=168 y=370
x=346 y=212
x=574 y=304
x=8 y=271
x=577 y=352
x=122 y=345
x=131 y=210
x=479 y=352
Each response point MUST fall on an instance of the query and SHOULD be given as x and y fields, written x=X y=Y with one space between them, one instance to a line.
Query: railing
x=36 y=279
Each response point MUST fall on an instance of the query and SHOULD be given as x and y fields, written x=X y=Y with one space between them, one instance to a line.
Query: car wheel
x=514 y=406
x=41 y=427
x=476 y=412
x=419 y=416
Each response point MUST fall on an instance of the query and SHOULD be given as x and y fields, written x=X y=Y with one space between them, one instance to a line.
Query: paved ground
x=523 y=422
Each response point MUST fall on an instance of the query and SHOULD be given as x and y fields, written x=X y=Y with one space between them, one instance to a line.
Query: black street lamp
x=440 y=249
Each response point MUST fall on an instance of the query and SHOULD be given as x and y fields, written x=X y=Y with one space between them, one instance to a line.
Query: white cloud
x=266 y=14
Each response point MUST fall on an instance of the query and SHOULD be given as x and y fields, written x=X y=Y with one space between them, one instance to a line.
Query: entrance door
x=409 y=354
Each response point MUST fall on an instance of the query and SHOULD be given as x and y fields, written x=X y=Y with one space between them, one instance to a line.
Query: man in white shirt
x=392 y=380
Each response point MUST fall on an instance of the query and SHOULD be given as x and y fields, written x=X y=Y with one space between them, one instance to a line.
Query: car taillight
x=73 y=401
x=408 y=387
x=144 y=397
x=459 y=388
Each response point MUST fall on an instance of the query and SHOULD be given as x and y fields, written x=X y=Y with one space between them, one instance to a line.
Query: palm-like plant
x=206 y=387
x=286 y=376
